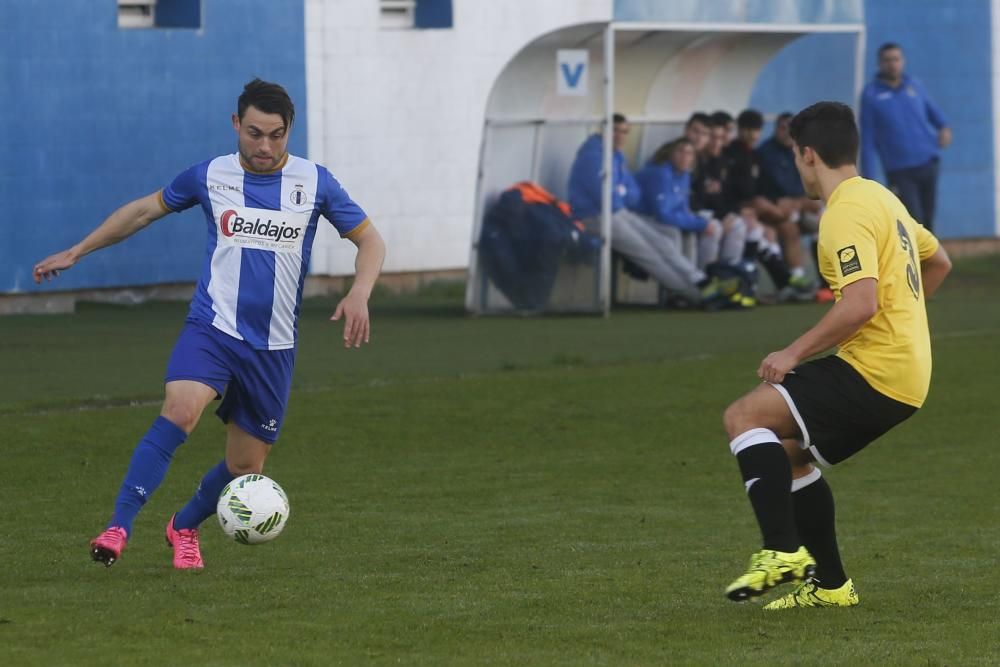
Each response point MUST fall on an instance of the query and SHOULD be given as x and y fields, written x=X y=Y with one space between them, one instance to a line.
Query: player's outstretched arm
x=933 y=271
x=118 y=226
x=354 y=307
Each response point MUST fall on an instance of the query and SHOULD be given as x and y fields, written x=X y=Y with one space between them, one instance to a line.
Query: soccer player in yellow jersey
x=882 y=265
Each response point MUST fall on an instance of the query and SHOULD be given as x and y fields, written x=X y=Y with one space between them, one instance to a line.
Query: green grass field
x=502 y=491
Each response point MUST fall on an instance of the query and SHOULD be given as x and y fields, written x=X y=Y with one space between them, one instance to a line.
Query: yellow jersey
x=866 y=232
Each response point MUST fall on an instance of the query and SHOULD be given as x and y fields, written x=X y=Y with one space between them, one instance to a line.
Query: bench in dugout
x=631 y=286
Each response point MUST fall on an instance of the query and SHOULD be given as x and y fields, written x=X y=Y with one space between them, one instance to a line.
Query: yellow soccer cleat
x=769 y=568
x=808 y=594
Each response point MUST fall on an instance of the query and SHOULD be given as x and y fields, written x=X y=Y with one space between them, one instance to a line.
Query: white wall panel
x=397 y=116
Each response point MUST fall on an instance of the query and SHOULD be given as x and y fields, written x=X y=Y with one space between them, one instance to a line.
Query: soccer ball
x=253 y=509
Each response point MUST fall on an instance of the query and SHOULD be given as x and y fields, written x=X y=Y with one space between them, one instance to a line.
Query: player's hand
x=357 y=327
x=776 y=366
x=713 y=228
x=50 y=267
x=944 y=137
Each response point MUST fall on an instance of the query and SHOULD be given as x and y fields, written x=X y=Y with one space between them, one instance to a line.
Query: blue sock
x=202 y=505
x=146 y=470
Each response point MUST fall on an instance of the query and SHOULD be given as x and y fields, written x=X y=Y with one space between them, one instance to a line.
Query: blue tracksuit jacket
x=899 y=125
x=666 y=196
x=585 y=180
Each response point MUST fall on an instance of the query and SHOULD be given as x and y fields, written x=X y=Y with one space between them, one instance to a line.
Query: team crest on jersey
x=849 y=262
x=298 y=195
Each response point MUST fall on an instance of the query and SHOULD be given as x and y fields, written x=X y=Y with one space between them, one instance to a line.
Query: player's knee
x=185 y=417
x=244 y=467
x=733 y=419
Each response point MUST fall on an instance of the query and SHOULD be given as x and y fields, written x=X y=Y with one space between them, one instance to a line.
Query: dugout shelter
x=544 y=104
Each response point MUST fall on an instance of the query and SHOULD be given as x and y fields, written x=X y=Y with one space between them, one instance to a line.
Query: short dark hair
x=666 y=152
x=829 y=129
x=750 y=119
x=618 y=118
x=782 y=116
x=698 y=117
x=267 y=97
x=721 y=118
x=888 y=46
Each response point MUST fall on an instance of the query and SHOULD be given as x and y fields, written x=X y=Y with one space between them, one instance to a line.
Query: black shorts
x=838 y=412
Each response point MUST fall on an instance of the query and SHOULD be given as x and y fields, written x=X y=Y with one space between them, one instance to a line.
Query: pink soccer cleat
x=187 y=553
x=108 y=546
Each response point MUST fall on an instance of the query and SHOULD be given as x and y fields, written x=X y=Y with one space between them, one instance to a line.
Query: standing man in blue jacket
x=906 y=129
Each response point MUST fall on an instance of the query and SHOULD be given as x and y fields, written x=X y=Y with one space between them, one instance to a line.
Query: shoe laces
x=806 y=588
x=115 y=535
x=187 y=543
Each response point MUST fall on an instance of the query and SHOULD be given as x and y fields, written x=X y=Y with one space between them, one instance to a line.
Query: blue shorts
x=255 y=383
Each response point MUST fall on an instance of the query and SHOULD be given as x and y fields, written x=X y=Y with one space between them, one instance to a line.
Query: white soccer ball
x=253 y=509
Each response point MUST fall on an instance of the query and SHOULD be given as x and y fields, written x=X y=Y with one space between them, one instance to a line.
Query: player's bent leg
x=185 y=401
x=758 y=424
x=245 y=454
x=762 y=407
x=815 y=521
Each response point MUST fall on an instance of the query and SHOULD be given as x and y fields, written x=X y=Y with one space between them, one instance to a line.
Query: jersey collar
x=843 y=185
x=281 y=165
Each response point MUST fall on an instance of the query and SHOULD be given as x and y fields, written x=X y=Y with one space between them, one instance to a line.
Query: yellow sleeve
x=847 y=246
x=927 y=243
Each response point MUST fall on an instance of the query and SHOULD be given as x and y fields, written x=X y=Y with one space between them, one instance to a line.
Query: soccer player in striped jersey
x=881 y=265
x=262 y=207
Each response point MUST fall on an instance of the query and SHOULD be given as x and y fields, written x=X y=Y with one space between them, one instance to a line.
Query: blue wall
x=946 y=43
x=94 y=116
x=959 y=79
x=790 y=82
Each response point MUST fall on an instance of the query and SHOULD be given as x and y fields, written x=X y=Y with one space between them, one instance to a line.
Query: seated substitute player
x=262 y=207
x=743 y=186
x=666 y=195
x=882 y=265
x=632 y=236
x=781 y=185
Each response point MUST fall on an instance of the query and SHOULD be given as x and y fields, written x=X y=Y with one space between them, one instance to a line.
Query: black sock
x=767 y=475
x=776 y=268
x=814 y=518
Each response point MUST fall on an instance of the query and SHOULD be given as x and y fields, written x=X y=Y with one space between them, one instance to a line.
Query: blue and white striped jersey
x=261 y=228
